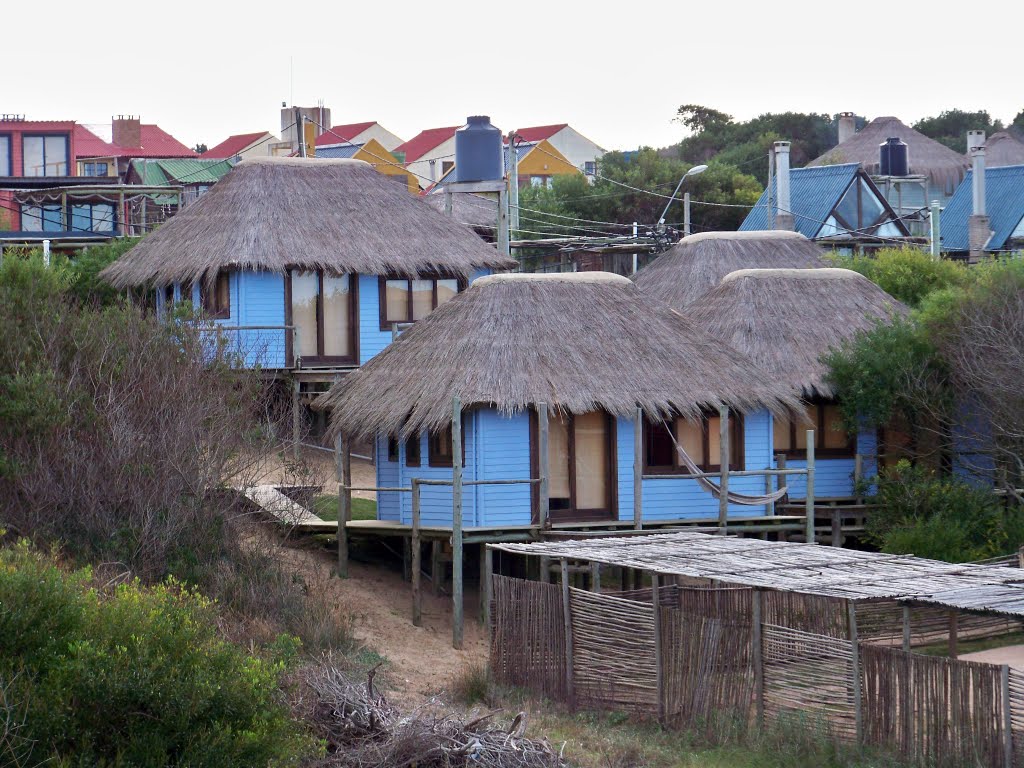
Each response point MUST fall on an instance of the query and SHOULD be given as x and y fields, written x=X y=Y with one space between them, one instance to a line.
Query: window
x=406 y=301
x=412 y=451
x=439 y=447
x=217 y=302
x=186 y=292
x=5 y=155
x=41 y=218
x=590 y=167
x=446 y=165
x=44 y=155
x=392 y=449
x=323 y=309
x=95 y=169
x=830 y=436
x=92 y=217
x=168 y=299
x=580 y=468
x=699 y=438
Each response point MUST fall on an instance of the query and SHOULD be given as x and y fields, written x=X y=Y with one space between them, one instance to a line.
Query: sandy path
x=315 y=467
x=1010 y=654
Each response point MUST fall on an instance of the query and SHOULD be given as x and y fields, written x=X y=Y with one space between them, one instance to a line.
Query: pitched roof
x=88 y=144
x=927 y=156
x=424 y=141
x=540 y=132
x=813 y=193
x=342 y=133
x=154 y=142
x=271 y=213
x=1003 y=149
x=338 y=151
x=233 y=145
x=696 y=264
x=1004 y=203
x=576 y=341
x=786 y=319
x=469 y=209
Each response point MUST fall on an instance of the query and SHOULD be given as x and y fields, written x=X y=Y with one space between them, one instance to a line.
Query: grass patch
x=325 y=507
x=972 y=646
x=472 y=685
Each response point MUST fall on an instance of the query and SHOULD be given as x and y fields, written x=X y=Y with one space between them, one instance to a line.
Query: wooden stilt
x=436 y=569
x=638 y=469
x=406 y=559
x=296 y=424
x=906 y=628
x=659 y=665
x=343 y=466
x=486 y=586
x=809 y=520
x=858 y=707
x=570 y=688
x=543 y=464
x=545 y=570
x=595 y=577
x=953 y=629
x=417 y=566
x=723 y=460
x=757 y=646
x=457 y=619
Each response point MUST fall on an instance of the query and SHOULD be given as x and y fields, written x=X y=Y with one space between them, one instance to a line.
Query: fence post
x=851 y=608
x=545 y=570
x=343 y=449
x=296 y=430
x=757 y=646
x=456 y=524
x=486 y=587
x=953 y=621
x=723 y=460
x=809 y=524
x=1004 y=680
x=595 y=577
x=417 y=608
x=906 y=628
x=570 y=685
x=543 y=465
x=638 y=469
x=659 y=674
x=858 y=476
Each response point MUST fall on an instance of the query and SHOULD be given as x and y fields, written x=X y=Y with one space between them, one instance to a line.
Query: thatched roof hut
x=928 y=157
x=786 y=319
x=696 y=264
x=274 y=213
x=468 y=208
x=1002 y=149
x=577 y=341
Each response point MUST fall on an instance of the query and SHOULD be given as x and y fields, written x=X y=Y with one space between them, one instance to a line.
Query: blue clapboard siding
x=833 y=478
x=504 y=455
x=387 y=477
x=261 y=299
x=684 y=499
x=436 y=500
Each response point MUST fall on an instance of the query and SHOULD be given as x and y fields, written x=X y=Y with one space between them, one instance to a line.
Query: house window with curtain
x=216 y=302
x=406 y=301
x=439 y=447
x=44 y=155
x=700 y=438
x=830 y=436
x=95 y=169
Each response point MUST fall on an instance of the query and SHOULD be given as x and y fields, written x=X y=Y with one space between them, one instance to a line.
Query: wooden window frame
x=414 y=441
x=736 y=443
x=435 y=460
x=393 y=450
x=572 y=513
x=820 y=451
x=382 y=287
x=211 y=307
x=320 y=358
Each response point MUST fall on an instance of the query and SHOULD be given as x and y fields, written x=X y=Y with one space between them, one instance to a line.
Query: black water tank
x=892 y=158
x=478 y=153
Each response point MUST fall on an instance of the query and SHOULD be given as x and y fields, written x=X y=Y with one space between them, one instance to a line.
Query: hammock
x=716 y=490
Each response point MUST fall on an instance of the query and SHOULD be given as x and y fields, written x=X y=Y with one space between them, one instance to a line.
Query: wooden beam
x=858 y=707
x=343 y=467
x=953 y=631
x=723 y=458
x=296 y=431
x=543 y=464
x=436 y=569
x=487 y=570
x=638 y=469
x=1004 y=685
x=757 y=646
x=457 y=619
x=809 y=502
x=659 y=665
x=570 y=686
x=595 y=577
x=906 y=628
x=417 y=567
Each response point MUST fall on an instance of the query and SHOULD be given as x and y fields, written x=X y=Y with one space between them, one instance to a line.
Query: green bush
x=924 y=514
x=135 y=677
x=908 y=274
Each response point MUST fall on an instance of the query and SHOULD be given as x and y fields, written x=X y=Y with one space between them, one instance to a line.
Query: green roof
x=159 y=173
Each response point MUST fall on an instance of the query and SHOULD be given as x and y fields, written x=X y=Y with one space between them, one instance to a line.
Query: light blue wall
x=833 y=478
x=971 y=433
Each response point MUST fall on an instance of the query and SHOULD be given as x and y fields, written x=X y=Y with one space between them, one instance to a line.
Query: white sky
x=615 y=71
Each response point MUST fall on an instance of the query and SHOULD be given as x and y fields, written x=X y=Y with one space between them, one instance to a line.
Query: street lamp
x=692 y=172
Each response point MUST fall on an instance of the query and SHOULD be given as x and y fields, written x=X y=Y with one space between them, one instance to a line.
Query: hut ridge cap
x=606 y=278
x=302 y=162
x=810 y=273
x=761 y=234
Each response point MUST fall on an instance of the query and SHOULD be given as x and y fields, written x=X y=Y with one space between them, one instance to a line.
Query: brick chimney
x=978 y=225
x=784 y=217
x=126 y=131
x=847 y=126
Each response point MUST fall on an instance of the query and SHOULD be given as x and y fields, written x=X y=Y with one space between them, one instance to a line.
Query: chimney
x=784 y=218
x=126 y=131
x=978 y=230
x=847 y=126
x=975 y=139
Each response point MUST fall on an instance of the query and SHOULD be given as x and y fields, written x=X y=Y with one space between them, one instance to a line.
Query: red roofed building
x=359 y=133
x=577 y=148
x=430 y=154
x=130 y=138
x=242 y=146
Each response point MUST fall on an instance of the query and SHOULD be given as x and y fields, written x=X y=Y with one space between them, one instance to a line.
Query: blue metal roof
x=1004 y=203
x=343 y=152
x=813 y=193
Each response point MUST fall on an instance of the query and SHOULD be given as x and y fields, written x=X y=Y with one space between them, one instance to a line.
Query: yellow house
x=374 y=153
x=540 y=162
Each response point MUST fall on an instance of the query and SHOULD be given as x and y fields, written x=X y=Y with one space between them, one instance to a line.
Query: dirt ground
x=1012 y=655
x=315 y=467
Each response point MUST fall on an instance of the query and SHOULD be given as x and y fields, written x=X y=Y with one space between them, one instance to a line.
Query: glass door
x=579 y=470
x=322 y=308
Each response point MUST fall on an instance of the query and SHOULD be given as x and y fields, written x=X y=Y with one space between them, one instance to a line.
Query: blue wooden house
x=307 y=265
x=586 y=349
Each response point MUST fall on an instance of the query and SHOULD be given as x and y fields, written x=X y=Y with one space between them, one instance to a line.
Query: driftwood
x=363 y=730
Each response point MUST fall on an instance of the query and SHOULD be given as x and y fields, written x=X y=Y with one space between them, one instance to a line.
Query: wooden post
x=543 y=464
x=723 y=460
x=1004 y=680
x=757 y=646
x=343 y=460
x=809 y=524
x=638 y=469
x=545 y=570
x=851 y=608
x=658 y=665
x=953 y=620
x=595 y=577
x=456 y=524
x=906 y=628
x=296 y=430
x=837 y=527
x=436 y=571
x=487 y=571
x=769 y=508
x=417 y=606
x=570 y=687
x=858 y=476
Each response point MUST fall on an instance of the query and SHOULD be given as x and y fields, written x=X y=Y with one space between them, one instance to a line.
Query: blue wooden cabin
x=307 y=265
x=588 y=349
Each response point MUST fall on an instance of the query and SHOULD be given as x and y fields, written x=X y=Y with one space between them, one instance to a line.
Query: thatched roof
x=927 y=157
x=1002 y=149
x=577 y=341
x=272 y=213
x=467 y=208
x=696 y=264
x=786 y=319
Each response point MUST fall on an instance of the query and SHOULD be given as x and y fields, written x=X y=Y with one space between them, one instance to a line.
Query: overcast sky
x=615 y=71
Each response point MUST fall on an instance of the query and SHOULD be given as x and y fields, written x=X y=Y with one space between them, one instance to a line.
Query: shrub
x=472 y=684
x=907 y=274
x=137 y=676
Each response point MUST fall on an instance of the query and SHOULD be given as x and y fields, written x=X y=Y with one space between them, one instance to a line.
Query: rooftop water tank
x=478 y=154
x=892 y=158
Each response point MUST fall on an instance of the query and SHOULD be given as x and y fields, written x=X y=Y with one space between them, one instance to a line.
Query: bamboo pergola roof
x=804 y=568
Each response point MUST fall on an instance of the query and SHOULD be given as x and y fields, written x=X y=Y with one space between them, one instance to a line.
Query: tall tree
x=951 y=127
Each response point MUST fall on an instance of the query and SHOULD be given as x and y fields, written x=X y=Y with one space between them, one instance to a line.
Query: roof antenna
x=291 y=80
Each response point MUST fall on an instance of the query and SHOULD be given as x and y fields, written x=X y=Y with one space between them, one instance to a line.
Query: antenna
x=291 y=80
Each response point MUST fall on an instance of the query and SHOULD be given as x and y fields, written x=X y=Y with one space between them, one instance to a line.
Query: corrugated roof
x=343 y=151
x=813 y=193
x=1004 y=203
x=540 y=132
x=232 y=145
x=154 y=142
x=424 y=141
x=340 y=133
x=88 y=144
x=172 y=171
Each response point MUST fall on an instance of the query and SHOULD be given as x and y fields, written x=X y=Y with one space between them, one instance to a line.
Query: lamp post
x=692 y=172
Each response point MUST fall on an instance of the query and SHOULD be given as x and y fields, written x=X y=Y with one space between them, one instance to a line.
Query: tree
x=951 y=127
x=200 y=149
x=698 y=118
x=1018 y=122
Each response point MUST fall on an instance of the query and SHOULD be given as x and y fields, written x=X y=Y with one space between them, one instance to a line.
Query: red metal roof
x=27 y=126
x=540 y=132
x=339 y=134
x=232 y=145
x=155 y=142
x=88 y=144
x=424 y=141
